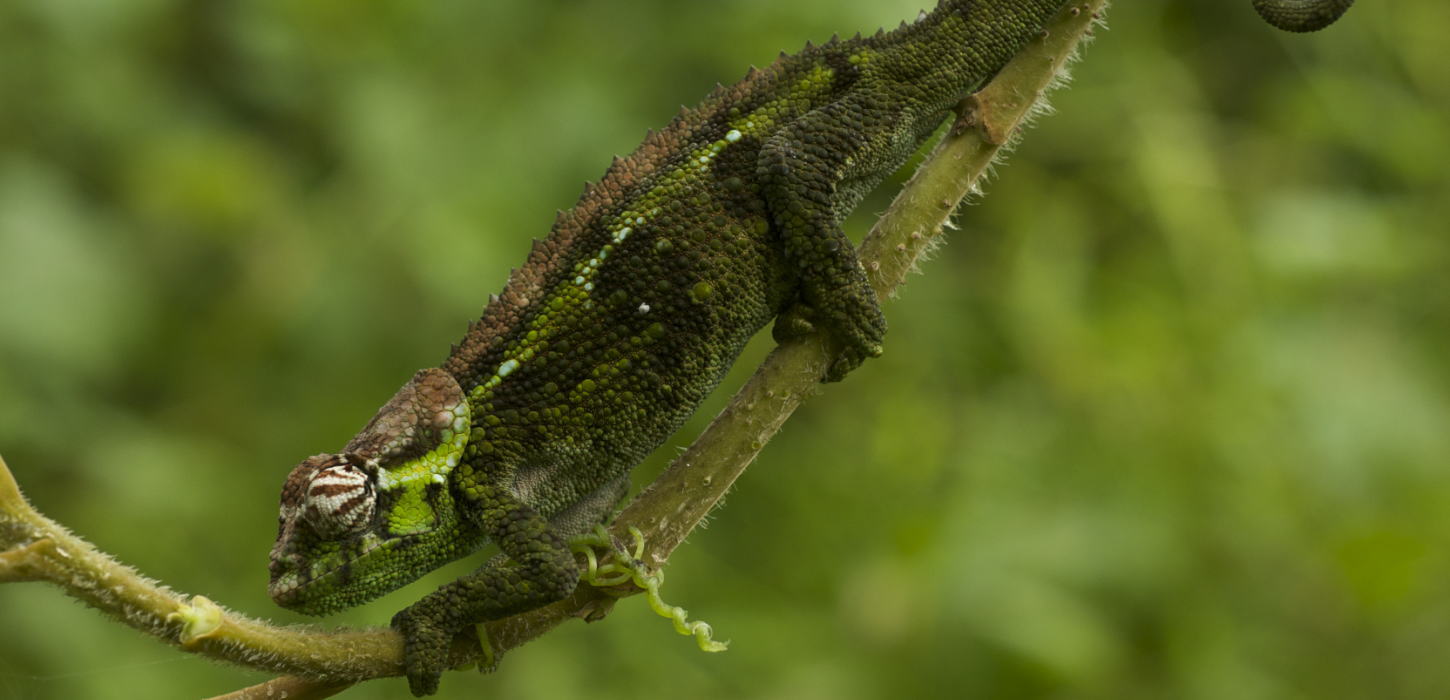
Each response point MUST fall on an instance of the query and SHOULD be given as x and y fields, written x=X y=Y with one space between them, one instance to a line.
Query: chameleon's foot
x=626 y=567
x=853 y=322
x=853 y=352
x=426 y=643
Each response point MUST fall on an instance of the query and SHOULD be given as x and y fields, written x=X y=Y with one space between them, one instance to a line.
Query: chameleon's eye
x=339 y=501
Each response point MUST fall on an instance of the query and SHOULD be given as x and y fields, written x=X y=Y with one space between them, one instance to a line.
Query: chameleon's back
x=628 y=315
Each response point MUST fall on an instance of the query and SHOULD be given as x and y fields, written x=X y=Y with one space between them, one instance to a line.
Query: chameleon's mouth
x=292 y=579
x=284 y=590
x=317 y=578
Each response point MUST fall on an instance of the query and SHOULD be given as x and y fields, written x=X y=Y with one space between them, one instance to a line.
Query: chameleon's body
x=622 y=321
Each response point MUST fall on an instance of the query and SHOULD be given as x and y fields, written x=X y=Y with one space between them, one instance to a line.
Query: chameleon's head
x=360 y=523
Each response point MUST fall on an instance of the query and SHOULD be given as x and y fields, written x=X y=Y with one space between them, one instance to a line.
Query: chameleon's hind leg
x=813 y=172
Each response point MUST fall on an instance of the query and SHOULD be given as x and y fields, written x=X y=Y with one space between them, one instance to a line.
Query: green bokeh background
x=1168 y=418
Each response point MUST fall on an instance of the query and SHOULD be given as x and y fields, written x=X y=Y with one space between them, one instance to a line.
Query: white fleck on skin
x=644 y=308
x=507 y=367
x=732 y=135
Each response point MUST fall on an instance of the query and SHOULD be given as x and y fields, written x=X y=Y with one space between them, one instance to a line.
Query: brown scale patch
x=294 y=490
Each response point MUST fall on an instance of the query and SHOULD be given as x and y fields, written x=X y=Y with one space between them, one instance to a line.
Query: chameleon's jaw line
x=288 y=588
x=370 y=569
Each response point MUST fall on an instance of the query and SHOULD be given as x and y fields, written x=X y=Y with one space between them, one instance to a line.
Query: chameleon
x=626 y=316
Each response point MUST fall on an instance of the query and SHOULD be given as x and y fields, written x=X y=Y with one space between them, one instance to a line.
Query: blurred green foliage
x=1167 y=418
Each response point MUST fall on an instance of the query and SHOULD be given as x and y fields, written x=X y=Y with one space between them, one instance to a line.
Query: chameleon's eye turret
x=339 y=501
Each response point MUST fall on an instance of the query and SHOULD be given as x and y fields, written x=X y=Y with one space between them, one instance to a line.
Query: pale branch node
x=319 y=663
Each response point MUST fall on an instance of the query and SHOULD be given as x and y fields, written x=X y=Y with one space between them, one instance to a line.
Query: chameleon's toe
x=845 y=362
x=488 y=662
x=854 y=324
x=425 y=650
x=857 y=330
x=793 y=323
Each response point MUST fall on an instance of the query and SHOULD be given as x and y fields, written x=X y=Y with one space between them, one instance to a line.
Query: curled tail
x=1301 y=15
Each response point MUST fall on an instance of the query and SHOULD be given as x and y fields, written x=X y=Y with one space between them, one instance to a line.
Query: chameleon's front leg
x=539 y=569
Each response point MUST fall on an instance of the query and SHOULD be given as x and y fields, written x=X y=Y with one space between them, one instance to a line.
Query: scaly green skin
x=621 y=322
x=1301 y=15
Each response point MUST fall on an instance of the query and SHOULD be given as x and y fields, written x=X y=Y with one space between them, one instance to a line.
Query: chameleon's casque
x=622 y=321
